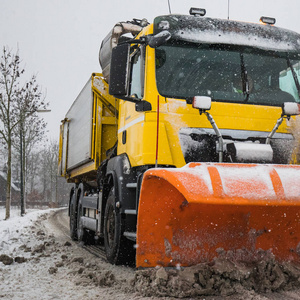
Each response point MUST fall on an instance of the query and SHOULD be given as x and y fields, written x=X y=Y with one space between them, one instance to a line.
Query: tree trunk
x=8 y=182
x=24 y=170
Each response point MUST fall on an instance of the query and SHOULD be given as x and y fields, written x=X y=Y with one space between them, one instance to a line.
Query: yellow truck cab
x=143 y=112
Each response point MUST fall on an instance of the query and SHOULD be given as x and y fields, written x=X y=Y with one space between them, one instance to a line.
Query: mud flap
x=187 y=215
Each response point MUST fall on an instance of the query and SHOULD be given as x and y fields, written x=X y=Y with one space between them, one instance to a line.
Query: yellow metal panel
x=82 y=170
x=149 y=145
x=60 y=150
x=98 y=135
x=104 y=129
x=100 y=87
x=109 y=138
x=109 y=120
x=107 y=108
x=94 y=122
x=141 y=141
x=63 y=148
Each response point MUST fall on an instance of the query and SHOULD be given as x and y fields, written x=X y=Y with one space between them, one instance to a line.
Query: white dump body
x=77 y=130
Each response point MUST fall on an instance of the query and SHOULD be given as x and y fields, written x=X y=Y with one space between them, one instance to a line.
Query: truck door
x=130 y=118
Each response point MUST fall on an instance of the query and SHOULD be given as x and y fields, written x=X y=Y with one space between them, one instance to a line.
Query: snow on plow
x=187 y=215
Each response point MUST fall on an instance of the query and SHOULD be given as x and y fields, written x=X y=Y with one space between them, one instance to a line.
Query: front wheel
x=118 y=249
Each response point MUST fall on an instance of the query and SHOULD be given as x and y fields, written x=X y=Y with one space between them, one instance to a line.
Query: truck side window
x=137 y=75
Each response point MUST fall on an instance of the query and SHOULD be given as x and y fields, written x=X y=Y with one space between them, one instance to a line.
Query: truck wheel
x=118 y=249
x=82 y=234
x=73 y=218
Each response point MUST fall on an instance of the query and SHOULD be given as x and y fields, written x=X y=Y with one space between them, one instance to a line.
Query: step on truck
x=182 y=145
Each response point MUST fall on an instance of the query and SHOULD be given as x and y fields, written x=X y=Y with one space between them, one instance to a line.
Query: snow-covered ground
x=38 y=260
x=14 y=230
x=48 y=265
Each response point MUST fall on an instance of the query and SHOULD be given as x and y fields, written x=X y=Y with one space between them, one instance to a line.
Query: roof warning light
x=267 y=20
x=197 y=11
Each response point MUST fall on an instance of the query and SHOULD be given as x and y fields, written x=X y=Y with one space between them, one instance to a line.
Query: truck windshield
x=227 y=74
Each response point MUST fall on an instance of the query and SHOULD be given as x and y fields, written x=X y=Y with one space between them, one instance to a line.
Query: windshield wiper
x=246 y=90
x=294 y=75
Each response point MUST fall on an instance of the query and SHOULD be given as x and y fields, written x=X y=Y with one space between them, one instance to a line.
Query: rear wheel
x=82 y=234
x=73 y=218
x=118 y=249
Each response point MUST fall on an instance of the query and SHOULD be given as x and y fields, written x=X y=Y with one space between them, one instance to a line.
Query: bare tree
x=33 y=172
x=3 y=156
x=33 y=132
x=17 y=103
x=9 y=80
x=43 y=184
x=49 y=157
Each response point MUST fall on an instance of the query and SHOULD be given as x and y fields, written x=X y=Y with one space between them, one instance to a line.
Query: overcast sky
x=59 y=40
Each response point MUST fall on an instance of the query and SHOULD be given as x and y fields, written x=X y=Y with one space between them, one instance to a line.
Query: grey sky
x=59 y=40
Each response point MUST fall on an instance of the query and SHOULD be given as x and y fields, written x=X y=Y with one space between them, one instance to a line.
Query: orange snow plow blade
x=187 y=215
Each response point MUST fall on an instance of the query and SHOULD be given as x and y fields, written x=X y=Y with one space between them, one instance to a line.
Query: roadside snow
x=39 y=261
x=14 y=230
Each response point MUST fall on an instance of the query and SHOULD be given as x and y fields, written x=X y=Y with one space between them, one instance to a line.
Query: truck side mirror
x=159 y=39
x=143 y=105
x=118 y=78
x=202 y=103
x=290 y=109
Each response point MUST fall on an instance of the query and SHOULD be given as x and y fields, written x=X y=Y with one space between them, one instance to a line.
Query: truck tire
x=82 y=234
x=118 y=249
x=73 y=218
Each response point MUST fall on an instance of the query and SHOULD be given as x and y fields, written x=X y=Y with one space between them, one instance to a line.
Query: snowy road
x=55 y=267
x=48 y=265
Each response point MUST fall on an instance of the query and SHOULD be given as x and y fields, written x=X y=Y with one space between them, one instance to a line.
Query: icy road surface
x=39 y=261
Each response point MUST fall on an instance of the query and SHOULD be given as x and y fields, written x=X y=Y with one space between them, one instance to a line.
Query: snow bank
x=13 y=229
x=38 y=260
x=225 y=276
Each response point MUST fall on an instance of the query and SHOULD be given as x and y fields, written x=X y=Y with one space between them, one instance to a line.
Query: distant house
x=15 y=191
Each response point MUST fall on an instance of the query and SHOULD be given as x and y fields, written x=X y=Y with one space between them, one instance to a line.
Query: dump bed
x=80 y=128
x=84 y=131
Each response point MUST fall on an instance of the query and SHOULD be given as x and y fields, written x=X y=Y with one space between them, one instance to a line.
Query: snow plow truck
x=182 y=145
